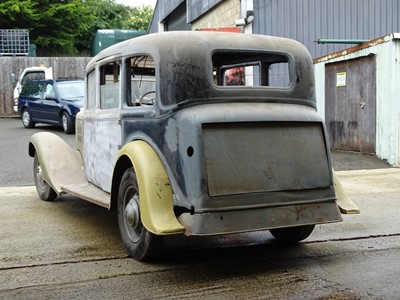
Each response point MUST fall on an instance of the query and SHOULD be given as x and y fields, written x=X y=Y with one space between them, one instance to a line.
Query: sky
x=152 y=3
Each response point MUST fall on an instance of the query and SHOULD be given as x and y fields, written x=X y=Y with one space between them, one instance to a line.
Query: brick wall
x=221 y=16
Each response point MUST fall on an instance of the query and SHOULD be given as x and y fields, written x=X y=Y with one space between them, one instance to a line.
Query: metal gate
x=350 y=109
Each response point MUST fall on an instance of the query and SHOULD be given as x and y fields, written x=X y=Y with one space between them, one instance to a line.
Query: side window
x=141 y=81
x=49 y=92
x=109 y=85
x=91 y=90
x=37 y=90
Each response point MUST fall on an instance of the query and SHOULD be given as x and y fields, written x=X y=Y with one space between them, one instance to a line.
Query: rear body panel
x=232 y=161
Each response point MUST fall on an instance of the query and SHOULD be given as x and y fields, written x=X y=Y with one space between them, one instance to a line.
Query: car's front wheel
x=44 y=190
x=139 y=242
x=292 y=235
x=66 y=122
x=27 y=119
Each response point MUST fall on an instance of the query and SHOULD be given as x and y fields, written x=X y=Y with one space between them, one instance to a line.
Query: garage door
x=350 y=95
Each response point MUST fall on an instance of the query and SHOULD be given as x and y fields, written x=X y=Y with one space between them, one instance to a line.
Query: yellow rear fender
x=155 y=191
x=346 y=205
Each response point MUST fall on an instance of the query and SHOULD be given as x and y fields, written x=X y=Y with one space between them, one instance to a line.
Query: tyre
x=27 y=119
x=67 y=124
x=139 y=242
x=44 y=190
x=292 y=235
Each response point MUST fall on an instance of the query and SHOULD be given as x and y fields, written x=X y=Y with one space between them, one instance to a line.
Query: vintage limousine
x=201 y=133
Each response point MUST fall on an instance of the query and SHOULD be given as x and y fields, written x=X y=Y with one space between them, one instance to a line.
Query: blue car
x=54 y=102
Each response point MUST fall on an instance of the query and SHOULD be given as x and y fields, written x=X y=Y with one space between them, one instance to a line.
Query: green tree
x=102 y=14
x=68 y=26
x=140 y=18
x=60 y=25
x=17 y=13
x=53 y=25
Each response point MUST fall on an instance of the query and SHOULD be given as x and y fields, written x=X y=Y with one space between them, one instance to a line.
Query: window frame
x=258 y=60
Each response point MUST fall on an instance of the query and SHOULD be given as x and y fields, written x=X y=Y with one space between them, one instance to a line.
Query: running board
x=88 y=192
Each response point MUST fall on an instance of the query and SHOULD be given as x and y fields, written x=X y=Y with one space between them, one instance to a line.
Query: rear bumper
x=224 y=222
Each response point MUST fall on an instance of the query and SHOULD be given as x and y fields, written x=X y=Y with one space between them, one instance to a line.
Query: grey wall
x=195 y=8
x=310 y=20
x=161 y=11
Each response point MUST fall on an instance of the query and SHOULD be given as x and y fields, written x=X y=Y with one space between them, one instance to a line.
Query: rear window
x=251 y=69
x=26 y=90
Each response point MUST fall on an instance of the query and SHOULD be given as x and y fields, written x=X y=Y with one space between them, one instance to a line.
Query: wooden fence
x=62 y=67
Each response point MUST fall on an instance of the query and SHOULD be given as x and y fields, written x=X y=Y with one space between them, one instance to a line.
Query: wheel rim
x=41 y=182
x=64 y=122
x=26 y=118
x=132 y=222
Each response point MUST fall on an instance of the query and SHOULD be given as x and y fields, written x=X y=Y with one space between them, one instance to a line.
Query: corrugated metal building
x=310 y=20
x=359 y=97
x=302 y=20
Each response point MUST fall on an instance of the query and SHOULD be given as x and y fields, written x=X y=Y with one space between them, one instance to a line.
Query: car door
x=102 y=126
x=50 y=109
x=35 y=101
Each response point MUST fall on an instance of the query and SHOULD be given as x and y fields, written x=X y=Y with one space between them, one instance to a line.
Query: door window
x=91 y=90
x=49 y=92
x=109 y=85
x=141 y=81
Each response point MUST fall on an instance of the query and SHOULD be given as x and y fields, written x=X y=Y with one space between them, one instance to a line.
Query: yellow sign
x=341 y=79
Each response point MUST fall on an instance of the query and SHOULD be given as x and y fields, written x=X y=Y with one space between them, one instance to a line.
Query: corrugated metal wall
x=162 y=10
x=310 y=20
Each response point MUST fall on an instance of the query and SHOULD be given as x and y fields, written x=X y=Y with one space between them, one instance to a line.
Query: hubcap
x=132 y=216
x=25 y=118
x=64 y=122
x=39 y=177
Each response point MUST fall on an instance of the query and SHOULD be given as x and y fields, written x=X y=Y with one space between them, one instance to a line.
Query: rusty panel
x=276 y=156
x=350 y=111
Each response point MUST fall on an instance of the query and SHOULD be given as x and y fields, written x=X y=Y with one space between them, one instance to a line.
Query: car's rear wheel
x=27 y=119
x=66 y=122
x=292 y=235
x=44 y=190
x=139 y=242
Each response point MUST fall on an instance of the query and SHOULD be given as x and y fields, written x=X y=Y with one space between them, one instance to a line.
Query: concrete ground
x=346 y=160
